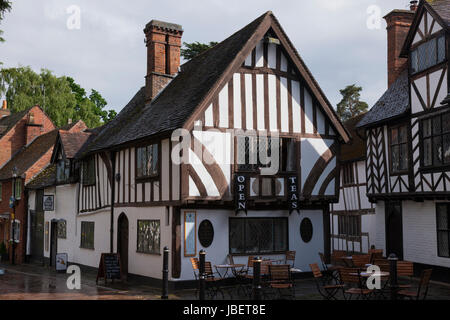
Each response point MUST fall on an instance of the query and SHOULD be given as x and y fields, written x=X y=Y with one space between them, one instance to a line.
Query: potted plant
x=3 y=252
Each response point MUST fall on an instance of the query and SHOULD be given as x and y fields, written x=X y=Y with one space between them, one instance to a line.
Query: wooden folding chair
x=327 y=291
x=213 y=281
x=351 y=278
x=280 y=279
x=375 y=254
x=405 y=269
x=336 y=257
x=290 y=258
x=331 y=270
x=421 y=290
x=361 y=260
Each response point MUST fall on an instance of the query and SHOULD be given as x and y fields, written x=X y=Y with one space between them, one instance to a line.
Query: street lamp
x=14 y=174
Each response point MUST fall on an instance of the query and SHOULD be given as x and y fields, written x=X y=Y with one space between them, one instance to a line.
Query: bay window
x=435 y=141
x=399 y=149
x=147 y=161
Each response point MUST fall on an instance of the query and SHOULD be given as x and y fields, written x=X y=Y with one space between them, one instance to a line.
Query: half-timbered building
x=216 y=154
x=353 y=217
x=408 y=138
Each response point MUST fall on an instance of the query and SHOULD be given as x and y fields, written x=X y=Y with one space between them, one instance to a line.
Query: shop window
x=87 y=234
x=148 y=236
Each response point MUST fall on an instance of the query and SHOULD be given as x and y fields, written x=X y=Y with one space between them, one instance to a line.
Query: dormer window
x=428 y=54
x=435 y=140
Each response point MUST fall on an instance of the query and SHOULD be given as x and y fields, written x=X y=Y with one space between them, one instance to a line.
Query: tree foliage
x=60 y=97
x=350 y=105
x=193 y=49
x=5 y=6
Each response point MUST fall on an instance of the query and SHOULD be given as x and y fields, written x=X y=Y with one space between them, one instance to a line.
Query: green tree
x=5 y=6
x=193 y=49
x=60 y=97
x=351 y=105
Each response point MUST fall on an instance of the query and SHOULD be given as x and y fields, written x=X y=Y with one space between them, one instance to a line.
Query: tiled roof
x=28 y=155
x=393 y=103
x=44 y=179
x=72 y=142
x=6 y=123
x=356 y=148
x=178 y=100
x=442 y=8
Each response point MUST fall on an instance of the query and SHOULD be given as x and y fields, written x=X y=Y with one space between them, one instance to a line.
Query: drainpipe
x=113 y=185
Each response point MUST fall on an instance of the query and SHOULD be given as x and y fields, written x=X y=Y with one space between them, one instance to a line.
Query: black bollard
x=257 y=279
x=393 y=275
x=202 y=255
x=165 y=271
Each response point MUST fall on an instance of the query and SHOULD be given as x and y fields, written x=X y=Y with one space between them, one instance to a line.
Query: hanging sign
x=293 y=194
x=49 y=203
x=240 y=189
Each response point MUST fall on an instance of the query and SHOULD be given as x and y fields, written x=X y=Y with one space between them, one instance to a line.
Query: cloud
x=108 y=52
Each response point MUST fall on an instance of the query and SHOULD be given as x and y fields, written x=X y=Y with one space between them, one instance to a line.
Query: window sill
x=149 y=253
x=87 y=248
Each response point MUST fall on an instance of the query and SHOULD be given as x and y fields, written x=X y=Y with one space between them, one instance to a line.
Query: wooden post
x=201 y=277
x=257 y=279
x=393 y=275
x=165 y=271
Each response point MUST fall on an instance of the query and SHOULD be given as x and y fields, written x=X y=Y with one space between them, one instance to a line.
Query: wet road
x=31 y=282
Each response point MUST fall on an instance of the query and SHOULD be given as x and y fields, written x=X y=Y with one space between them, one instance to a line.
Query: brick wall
x=16 y=138
x=21 y=215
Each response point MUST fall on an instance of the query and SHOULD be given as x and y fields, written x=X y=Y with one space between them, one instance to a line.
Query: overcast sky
x=108 y=53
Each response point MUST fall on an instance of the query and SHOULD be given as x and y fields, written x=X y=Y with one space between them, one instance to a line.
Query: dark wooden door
x=394 y=229
x=122 y=242
x=37 y=236
x=53 y=242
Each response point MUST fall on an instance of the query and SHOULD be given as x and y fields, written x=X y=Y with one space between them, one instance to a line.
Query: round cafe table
x=227 y=267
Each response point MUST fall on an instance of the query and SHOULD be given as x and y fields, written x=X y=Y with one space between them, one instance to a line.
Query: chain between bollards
x=257 y=279
x=202 y=255
x=393 y=275
x=165 y=272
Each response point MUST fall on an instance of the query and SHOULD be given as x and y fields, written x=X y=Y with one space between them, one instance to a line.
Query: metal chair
x=326 y=290
x=351 y=278
x=212 y=281
x=421 y=290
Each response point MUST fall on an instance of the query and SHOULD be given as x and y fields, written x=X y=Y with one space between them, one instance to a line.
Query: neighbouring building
x=353 y=217
x=20 y=128
x=408 y=140
x=250 y=95
x=28 y=162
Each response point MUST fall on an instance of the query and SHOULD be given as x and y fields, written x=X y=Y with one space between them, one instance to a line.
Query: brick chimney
x=33 y=128
x=163 y=41
x=4 y=111
x=398 y=24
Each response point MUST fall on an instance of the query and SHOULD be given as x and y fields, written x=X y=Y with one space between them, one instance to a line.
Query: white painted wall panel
x=296 y=118
x=249 y=101
x=284 y=105
x=273 y=102
x=260 y=101
x=237 y=110
x=223 y=107
x=309 y=128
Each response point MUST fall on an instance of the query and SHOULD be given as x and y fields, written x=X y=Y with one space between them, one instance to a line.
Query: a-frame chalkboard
x=110 y=267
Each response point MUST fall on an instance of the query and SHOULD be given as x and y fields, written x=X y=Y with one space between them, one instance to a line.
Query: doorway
x=53 y=242
x=37 y=236
x=394 y=229
x=122 y=242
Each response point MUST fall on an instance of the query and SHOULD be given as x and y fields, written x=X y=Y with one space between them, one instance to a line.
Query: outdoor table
x=227 y=267
x=295 y=270
x=368 y=274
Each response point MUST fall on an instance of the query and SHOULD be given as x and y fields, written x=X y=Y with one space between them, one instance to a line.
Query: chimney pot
x=413 y=5
x=4 y=105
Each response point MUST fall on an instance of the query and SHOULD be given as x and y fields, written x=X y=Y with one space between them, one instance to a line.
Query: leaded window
x=349 y=225
x=399 y=149
x=258 y=235
x=62 y=170
x=348 y=173
x=62 y=229
x=256 y=152
x=87 y=234
x=436 y=140
x=147 y=161
x=89 y=171
x=443 y=229
x=148 y=236
x=17 y=188
x=428 y=54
